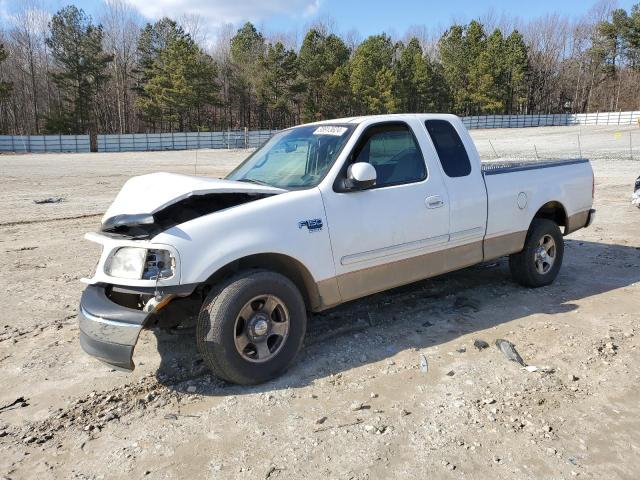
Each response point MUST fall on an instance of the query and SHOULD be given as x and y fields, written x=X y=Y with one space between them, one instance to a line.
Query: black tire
x=523 y=265
x=217 y=325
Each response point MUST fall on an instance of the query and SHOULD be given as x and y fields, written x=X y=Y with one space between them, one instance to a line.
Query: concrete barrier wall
x=234 y=139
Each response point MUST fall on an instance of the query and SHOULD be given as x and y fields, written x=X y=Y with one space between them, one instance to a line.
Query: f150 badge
x=313 y=225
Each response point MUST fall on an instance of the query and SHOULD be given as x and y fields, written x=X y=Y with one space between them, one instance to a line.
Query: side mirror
x=360 y=176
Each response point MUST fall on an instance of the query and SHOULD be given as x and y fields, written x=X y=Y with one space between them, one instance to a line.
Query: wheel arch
x=280 y=263
x=554 y=211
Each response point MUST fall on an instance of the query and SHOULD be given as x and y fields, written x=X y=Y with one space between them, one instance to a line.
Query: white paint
x=155 y=191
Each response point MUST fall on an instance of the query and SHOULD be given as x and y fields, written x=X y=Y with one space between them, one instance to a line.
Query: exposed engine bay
x=143 y=226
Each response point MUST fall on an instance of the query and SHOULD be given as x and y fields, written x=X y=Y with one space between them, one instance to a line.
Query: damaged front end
x=111 y=319
x=150 y=204
x=142 y=226
x=109 y=331
x=137 y=282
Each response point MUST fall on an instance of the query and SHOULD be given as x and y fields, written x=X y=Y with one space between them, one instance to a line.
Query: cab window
x=394 y=152
x=451 y=151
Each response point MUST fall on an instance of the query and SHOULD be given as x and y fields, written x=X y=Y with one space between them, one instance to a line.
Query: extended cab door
x=459 y=162
x=386 y=236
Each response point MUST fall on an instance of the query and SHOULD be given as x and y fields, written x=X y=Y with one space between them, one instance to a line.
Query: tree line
x=70 y=74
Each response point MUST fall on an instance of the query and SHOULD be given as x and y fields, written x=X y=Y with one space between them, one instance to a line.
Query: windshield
x=295 y=158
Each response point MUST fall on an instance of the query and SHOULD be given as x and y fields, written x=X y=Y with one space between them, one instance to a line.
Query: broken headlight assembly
x=140 y=263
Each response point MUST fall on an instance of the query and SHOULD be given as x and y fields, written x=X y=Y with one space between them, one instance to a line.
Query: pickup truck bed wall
x=506 y=166
x=564 y=184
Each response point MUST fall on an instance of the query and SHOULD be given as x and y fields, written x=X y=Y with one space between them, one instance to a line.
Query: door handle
x=434 y=202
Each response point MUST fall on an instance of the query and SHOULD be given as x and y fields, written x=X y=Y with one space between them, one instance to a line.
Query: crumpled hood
x=148 y=194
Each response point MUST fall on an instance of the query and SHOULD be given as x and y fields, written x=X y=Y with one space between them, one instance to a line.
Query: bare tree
x=195 y=26
x=121 y=29
x=30 y=64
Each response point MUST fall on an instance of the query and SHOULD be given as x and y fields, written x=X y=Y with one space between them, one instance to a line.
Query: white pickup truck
x=321 y=214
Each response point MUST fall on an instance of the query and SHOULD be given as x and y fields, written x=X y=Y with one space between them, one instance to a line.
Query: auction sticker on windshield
x=328 y=130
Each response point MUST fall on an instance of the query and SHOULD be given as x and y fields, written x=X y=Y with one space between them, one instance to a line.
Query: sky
x=366 y=17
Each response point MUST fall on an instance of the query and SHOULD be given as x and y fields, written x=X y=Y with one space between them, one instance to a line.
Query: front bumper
x=109 y=331
x=591 y=217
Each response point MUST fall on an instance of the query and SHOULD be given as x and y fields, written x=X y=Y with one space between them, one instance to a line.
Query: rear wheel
x=538 y=264
x=251 y=327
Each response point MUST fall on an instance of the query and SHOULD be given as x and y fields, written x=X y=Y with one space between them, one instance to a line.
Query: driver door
x=382 y=237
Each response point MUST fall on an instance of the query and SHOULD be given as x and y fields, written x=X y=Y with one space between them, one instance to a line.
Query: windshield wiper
x=258 y=182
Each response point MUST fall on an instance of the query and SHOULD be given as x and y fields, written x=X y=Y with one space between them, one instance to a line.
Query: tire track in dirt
x=49 y=220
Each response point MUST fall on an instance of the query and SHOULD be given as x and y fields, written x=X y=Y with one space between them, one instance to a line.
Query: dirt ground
x=357 y=404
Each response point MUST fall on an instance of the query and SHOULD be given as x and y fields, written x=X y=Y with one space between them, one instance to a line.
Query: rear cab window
x=449 y=147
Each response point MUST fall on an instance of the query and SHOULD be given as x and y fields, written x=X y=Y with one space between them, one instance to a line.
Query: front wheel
x=538 y=264
x=251 y=327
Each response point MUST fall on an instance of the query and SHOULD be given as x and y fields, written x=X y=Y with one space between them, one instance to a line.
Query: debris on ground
x=19 y=402
x=49 y=200
x=509 y=350
x=272 y=470
x=342 y=425
x=480 y=344
x=24 y=249
x=424 y=365
x=533 y=368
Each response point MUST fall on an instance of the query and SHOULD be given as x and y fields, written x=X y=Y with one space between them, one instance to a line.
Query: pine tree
x=408 y=66
x=632 y=38
x=438 y=95
x=320 y=57
x=76 y=48
x=484 y=74
x=420 y=86
x=180 y=83
x=279 y=85
x=372 y=76
x=477 y=79
x=153 y=41
x=247 y=53
x=487 y=76
x=516 y=73
x=337 y=99
x=455 y=66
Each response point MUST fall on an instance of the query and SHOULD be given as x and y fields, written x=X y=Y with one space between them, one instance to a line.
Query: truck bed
x=496 y=167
